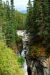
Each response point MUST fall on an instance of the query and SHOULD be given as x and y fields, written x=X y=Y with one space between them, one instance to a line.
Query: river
x=24 y=67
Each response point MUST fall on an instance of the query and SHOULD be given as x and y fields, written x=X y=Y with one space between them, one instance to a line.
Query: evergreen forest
x=36 y=22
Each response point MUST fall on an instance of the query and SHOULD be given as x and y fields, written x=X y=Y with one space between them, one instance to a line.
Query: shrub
x=21 y=61
x=8 y=61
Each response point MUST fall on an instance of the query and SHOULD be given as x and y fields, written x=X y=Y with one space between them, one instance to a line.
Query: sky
x=20 y=5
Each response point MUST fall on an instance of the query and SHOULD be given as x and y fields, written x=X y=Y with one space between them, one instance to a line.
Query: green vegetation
x=20 y=20
x=9 y=64
x=10 y=21
x=21 y=61
x=37 y=23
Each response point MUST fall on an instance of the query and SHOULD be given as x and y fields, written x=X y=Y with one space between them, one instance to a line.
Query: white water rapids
x=24 y=36
x=24 y=67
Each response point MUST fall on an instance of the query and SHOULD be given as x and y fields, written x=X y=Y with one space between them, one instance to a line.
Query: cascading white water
x=24 y=36
x=24 y=67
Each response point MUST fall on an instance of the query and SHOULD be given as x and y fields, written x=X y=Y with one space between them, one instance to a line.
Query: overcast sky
x=20 y=5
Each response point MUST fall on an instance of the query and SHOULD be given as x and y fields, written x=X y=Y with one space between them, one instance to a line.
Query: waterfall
x=24 y=67
x=24 y=36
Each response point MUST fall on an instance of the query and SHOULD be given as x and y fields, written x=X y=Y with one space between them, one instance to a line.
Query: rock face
x=41 y=69
x=46 y=63
x=34 y=71
x=38 y=68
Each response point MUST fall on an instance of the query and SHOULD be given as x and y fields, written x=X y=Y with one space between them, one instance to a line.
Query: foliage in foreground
x=9 y=64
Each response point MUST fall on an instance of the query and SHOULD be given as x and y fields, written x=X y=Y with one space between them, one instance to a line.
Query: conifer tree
x=10 y=31
x=29 y=17
x=0 y=12
x=35 y=23
x=46 y=20
x=1 y=21
x=8 y=25
x=13 y=21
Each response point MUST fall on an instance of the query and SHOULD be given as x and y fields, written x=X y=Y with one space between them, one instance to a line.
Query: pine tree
x=10 y=26
x=29 y=20
x=46 y=20
x=29 y=17
x=10 y=38
x=38 y=23
x=1 y=12
x=13 y=22
x=1 y=21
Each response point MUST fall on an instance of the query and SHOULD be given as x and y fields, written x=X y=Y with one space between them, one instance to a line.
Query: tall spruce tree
x=10 y=27
x=35 y=23
x=29 y=20
x=40 y=24
x=29 y=17
x=1 y=16
x=46 y=33
x=1 y=21
x=0 y=11
x=46 y=19
x=13 y=23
